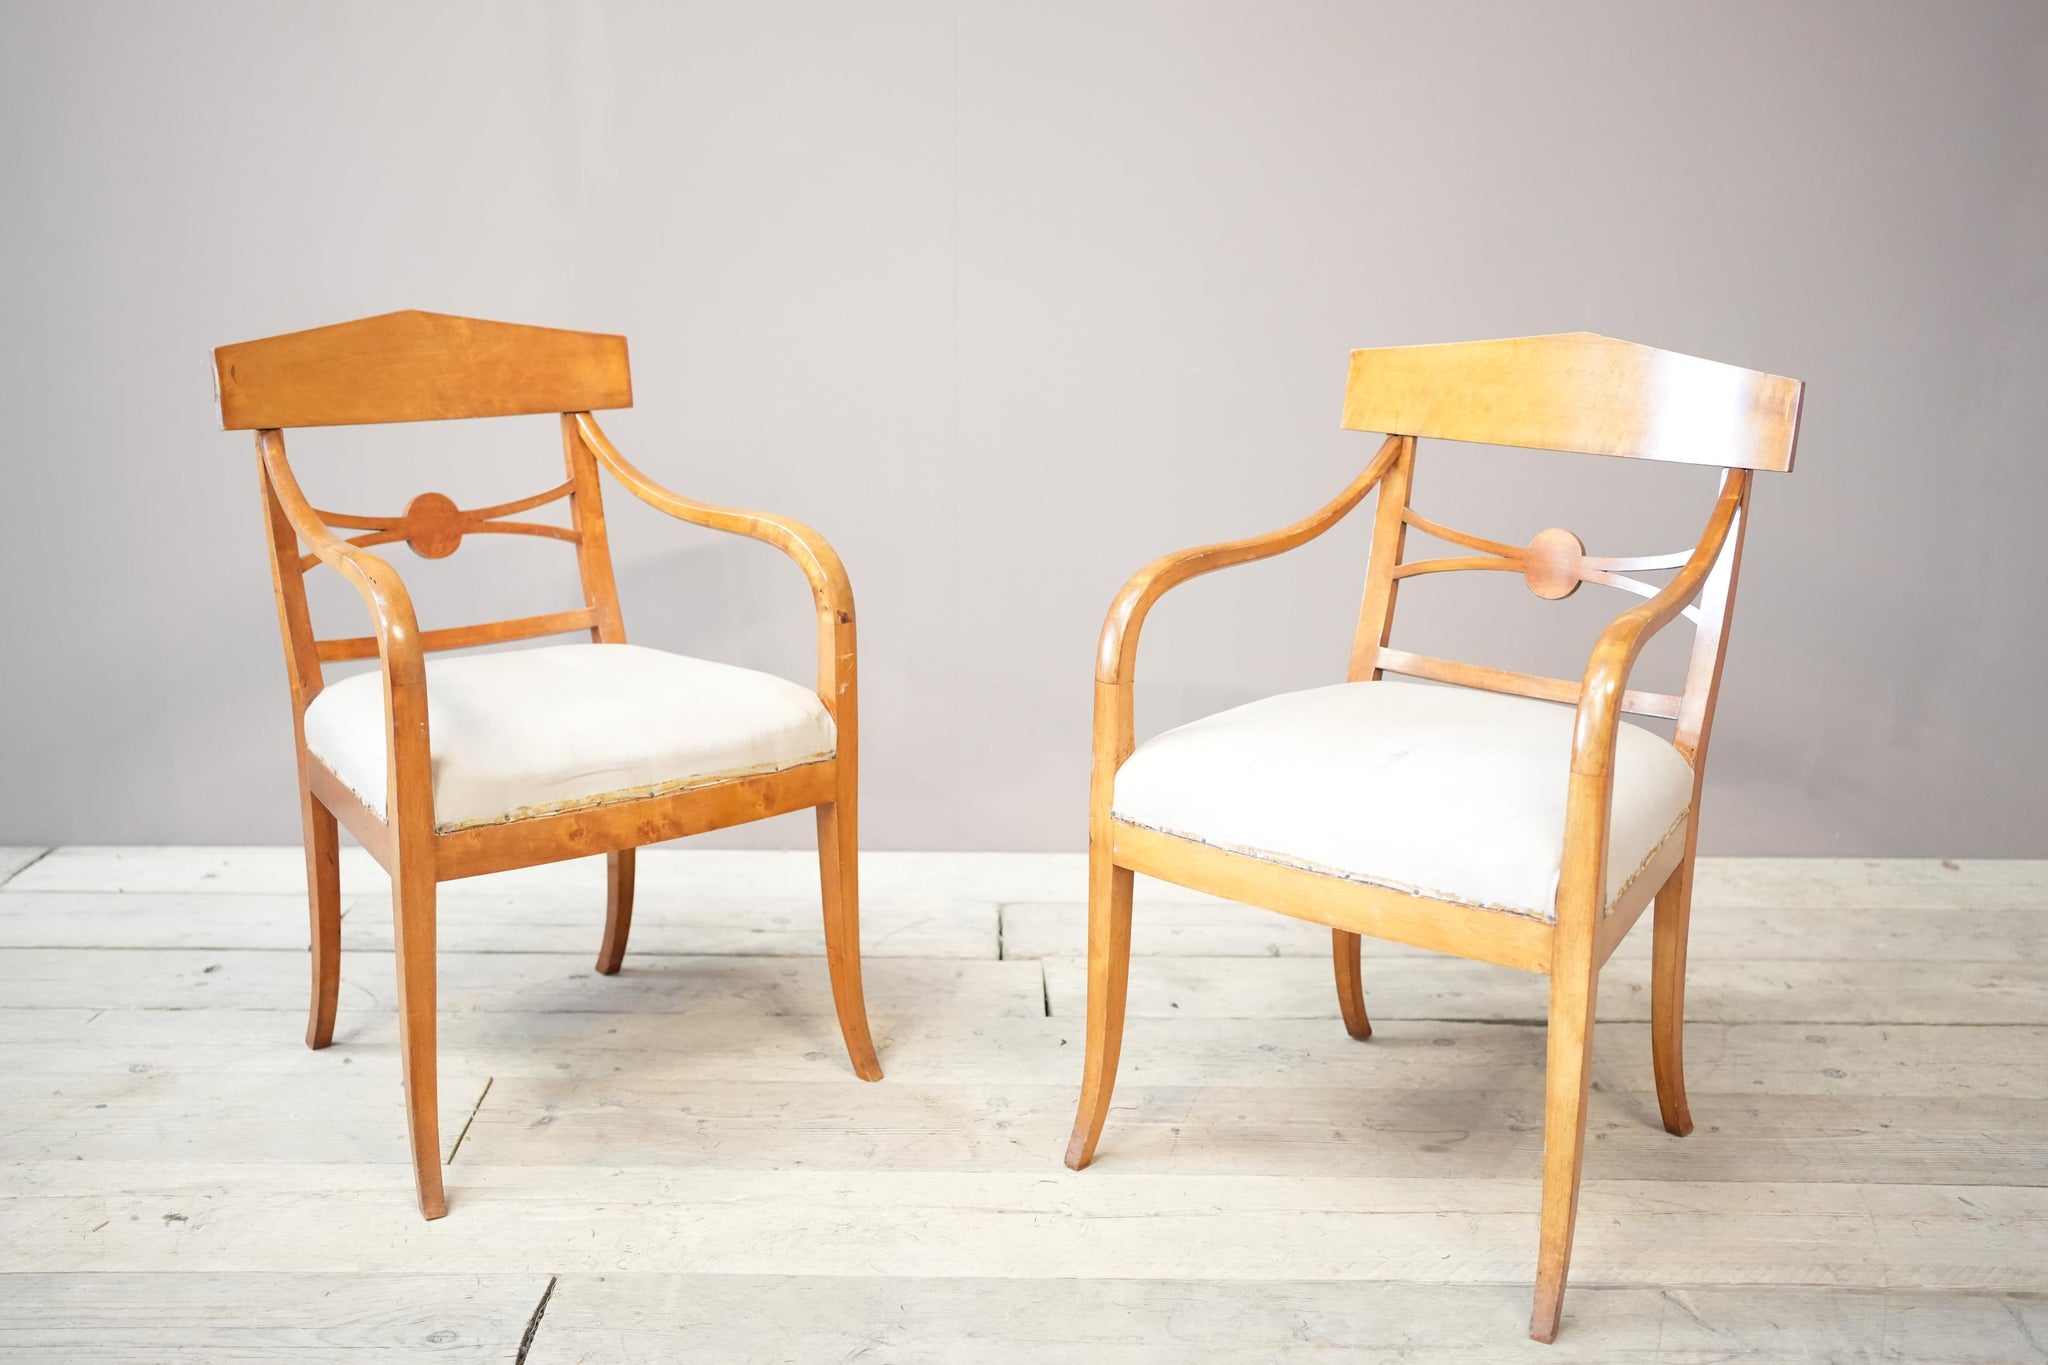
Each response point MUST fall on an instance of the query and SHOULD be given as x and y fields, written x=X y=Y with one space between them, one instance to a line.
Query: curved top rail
x=1578 y=391
x=417 y=367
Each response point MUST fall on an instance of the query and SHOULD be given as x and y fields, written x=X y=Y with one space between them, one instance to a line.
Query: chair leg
x=839 y=880
x=1667 y=998
x=323 y=903
x=1350 y=985
x=413 y=906
x=1566 y=1078
x=1109 y=972
x=618 y=911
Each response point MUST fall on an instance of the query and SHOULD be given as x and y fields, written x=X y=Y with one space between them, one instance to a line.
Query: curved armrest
x=1116 y=656
x=398 y=636
x=1600 y=696
x=830 y=589
x=408 y=792
x=1582 y=877
x=813 y=555
x=1582 y=889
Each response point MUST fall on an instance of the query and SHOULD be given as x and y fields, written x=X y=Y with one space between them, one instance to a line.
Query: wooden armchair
x=487 y=762
x=1484 y=819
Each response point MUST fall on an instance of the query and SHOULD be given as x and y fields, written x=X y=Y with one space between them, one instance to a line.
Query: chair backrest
x=1574 y=392
x=415 y=367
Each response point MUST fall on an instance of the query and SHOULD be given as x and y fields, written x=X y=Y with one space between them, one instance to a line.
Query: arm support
x=398 y=643
x=1582 y=889
x=1116 y=658
x=408 y=797
x=1615 y=654
x=830 y=590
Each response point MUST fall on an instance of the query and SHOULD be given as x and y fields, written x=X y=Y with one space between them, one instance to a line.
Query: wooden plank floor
x=677 y=1164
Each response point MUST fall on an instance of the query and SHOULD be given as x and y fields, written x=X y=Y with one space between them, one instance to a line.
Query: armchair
x=483 y=763
x=1508 y=817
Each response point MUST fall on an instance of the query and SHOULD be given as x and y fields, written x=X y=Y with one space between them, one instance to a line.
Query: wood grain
x=1768 y=1063
x=1576 y=392
x=1828 y=885
x=416 y=367
x=653 y=1319
x=686 y=1131
x=341 y=1217
x=1580 y=392
x=318 y=1319
x=1450 y=988
x=1419 y=1129
x=1801 y=932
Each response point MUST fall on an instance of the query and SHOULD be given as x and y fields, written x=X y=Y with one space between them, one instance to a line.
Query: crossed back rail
x=413 y=367
x=1574 y=392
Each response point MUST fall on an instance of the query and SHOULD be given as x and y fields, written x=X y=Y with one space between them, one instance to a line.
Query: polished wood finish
x=1575 y=392
x=585 y=831
x=432 y=526
x=422 y=366
x=1580 y=392
x=466 y=637
x=1516 y=684
x=1345 y=949
x=1110 y=889
x=1552 y=565
x=1519 y=941
x=416 y=367
x=618 y=910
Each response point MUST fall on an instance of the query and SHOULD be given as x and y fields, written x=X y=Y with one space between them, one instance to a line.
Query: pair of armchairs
x=1482 y=819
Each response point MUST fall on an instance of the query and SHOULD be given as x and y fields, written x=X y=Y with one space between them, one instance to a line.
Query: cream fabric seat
x=532 y=731
x=1454 y=793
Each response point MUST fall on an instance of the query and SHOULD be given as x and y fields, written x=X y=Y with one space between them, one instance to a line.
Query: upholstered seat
x=1450 y=792
x=532 y=731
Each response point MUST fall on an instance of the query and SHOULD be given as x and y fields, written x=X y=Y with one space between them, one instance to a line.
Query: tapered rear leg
x=1667 y=997
x=1350 y=984
x=839 y=879
x=413 y=910
x=1109 y=972
x=323 y=903
x=618 y=911
x=1566 y=1077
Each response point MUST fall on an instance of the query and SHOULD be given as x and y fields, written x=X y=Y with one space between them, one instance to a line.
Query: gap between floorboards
x=466 y=1122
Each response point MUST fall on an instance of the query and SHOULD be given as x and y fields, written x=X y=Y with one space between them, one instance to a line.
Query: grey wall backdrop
x=1008 y=299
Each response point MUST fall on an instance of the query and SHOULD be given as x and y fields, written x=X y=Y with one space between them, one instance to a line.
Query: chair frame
x=1572 y=392
x=414 y=366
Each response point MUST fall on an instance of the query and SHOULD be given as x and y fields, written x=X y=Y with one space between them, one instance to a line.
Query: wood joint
x=432 y=526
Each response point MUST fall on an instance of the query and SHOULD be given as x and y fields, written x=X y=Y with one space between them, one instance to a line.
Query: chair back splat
x=1579 y=393
x=421 y=367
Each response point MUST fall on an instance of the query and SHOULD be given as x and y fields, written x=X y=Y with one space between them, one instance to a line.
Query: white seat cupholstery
x=533 y=731
x=1449 y=792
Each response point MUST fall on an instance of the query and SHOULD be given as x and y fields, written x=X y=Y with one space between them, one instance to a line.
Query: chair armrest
x=1614 y=654
x=1116 y=656
x=1582 y=877
x=830 y=590
x=817 y=559
x=409 y=790
x=398 y=642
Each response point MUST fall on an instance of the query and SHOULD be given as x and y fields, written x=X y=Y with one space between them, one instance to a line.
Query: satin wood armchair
x=1510 y=818
x=489 y=762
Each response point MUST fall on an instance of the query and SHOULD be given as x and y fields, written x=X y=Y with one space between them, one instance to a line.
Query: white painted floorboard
x=677 y=1164
x=14 y=857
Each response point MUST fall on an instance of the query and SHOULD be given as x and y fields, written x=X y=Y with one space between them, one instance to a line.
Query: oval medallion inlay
x=433 y=525
x=1553 y=563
